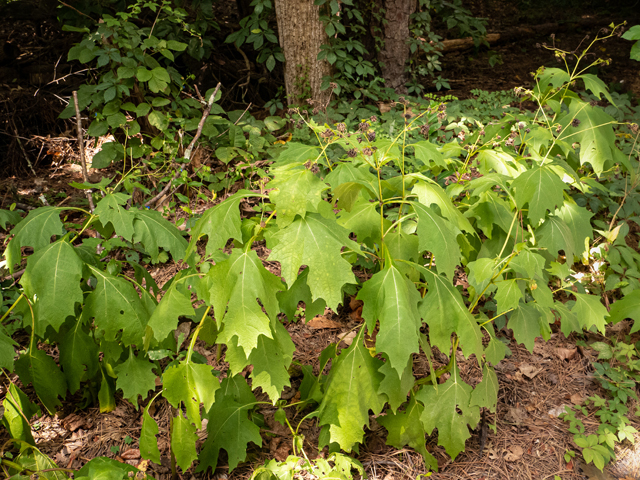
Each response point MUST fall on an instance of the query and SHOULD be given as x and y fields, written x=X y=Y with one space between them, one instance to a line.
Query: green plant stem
x=11 y=307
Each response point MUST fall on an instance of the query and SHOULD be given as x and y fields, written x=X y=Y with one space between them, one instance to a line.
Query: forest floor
x=529 y=440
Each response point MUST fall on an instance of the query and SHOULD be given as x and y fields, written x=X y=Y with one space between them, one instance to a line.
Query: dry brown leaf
x=354 y=303
x=347 y=338
x=131 y=454
x=576 y=399
x=514 y=453
x=565 y=353
x=516 y=416
x=529 y=370
x=321 y=321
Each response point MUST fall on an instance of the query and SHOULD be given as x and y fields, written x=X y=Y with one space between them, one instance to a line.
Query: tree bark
x=301 y=34
x=395 y=54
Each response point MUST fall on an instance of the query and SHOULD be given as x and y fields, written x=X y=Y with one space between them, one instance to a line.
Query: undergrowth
x=530 y=207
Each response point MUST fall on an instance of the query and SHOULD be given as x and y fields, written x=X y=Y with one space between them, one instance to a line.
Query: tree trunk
x=395 y=54
x=301 y=34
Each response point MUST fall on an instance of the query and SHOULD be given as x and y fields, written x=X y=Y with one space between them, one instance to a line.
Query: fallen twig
x=189 y=150
x=85 y=177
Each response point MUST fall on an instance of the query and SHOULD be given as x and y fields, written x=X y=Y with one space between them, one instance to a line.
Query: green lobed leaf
x=34 y=231
x=555 y=235
x=155 y=232
x=175 y=303
x=135 y=377
x=627 y=307
x=270 y=359
x=37 y=368
x=296 y=191
x=219 y=224
x=10 y=217
x=594 y=133
x=7 y=351
x=578 y=219
x=183 y=441
x=396 y=389
x=441 y=412
x=316 y=242
x=491 y=210
x=443 y=310
x=429 y=193
x=485 y=394
x=148 y=440
x=351 y=391
x=406 y=428
x=78 y=355
x=300 y=292
x=525 y=323
x=116 y=306
x=111 y=210
x=363 y=220
x=541 y=189
x=235 y=287
x=190 y=383
x=297 y=153
x=18 y=410
x=590 y=311
x=508 y=295
x=392 y=299
x=52 y=278
x=439 y=237
x=229 y=426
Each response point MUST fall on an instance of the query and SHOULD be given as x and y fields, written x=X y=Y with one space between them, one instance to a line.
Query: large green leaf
x=18 y=410
x=190 y=383
x=229 y=426
x=270 y=359
x=37 y=368
x=34 y=231
x=175 y=303
x=442 y=404
x=351 y=391
x=363 y=220
x=7 y=351
x=578 y=219
x=236 y=286
x=148 y=441
x=135 y=377
x=297 y=153
x=555 y=235
x=590 y=311
x=485 y=394
x=78 y=355
x=429 y=193
x=439 y=237
x=491 y=210
x=443 y=310
x=627 y=307
x=219 y=224
x=392 y=299
x=525 y=322
x=52 y=278
x=541 y=189
x=10 y=217
x=594 y=132
x=300 y=292
x=116 y=306
x=396 y=389
x=183 y=441
x=508 y=295
x=428 y=152
x=406 y=428
x=111 y=209
x=155 y=232
x=317 y=242
x=296 y=191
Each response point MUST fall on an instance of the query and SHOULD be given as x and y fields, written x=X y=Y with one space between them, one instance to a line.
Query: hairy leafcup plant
x=452 y=237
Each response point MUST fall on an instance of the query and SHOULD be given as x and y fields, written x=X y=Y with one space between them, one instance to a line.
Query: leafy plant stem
x=195 y=335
